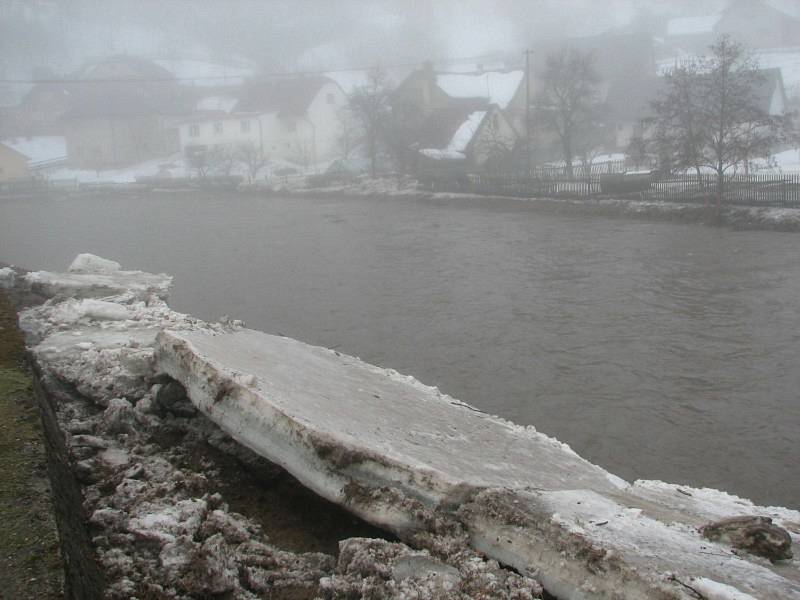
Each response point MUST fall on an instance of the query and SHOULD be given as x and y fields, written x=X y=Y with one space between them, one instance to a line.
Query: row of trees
x=221 y=160
x=708 y=114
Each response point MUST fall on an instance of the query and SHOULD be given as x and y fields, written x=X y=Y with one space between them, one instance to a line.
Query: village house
x=629 y=103
x=293 y=119
x=458 y=120
x=123 y=112
x=756 y=23
x=13 y=164
x=463 y=138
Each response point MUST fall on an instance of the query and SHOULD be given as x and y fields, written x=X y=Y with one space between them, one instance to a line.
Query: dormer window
x=218 y=128
x=194 y=130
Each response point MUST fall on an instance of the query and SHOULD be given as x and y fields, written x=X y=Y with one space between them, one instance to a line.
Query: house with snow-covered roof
x=427 y=90
x=460 y=137
x=457 y=117
x=43 y=151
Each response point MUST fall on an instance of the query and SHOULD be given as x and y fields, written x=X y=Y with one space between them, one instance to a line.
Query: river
x=657 y=350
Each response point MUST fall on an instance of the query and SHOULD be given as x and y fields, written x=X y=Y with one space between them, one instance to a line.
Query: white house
x=293 y=119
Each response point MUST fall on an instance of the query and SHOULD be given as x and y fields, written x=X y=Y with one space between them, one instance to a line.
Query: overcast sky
x=290 y=34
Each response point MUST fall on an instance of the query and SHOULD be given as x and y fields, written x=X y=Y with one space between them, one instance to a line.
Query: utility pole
x=527 y=112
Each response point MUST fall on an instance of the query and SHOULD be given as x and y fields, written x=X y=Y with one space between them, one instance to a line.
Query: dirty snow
x=388 y=447
x=712 y=590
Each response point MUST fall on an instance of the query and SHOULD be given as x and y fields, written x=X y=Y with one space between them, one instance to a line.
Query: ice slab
x=99 y=284
x=388 y=447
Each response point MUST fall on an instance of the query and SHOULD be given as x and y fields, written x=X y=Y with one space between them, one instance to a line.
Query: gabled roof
x=495 y=87
x=449 y=132
x=41 y=150
x=764 y=89
x=286 y=97
x=121 y=100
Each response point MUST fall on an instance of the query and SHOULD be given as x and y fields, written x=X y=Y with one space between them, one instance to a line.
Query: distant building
x=756 y=23
x=13 y=164
x=294 y=119
x=459 y=120
x=629 y=102
x=461 y=137
x=43 y=152
x=123 y=111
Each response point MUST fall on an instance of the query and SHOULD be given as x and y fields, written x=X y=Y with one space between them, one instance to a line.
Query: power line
x=275 y=74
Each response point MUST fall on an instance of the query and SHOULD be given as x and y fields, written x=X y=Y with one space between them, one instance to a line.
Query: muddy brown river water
x=657 y=350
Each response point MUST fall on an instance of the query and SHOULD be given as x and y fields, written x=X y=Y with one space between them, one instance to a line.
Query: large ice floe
x=483 y=508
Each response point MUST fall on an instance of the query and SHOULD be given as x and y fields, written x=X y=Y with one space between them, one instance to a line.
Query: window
x=292 y=127
x=245 y=126
x=218 y=128
x=330 y=99
x=194 y=130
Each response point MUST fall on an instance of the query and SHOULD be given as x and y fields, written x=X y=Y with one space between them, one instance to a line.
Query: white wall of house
x=230 y=130
x=308 y=138
x=304 y=139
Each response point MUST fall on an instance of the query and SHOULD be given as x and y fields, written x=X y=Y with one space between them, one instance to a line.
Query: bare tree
x=348 y=137
x=678 y=128
x=369 y=105
x=198 y=160
x=496 y=145
x=567 y=103
x=637 y=151
x=221 y=160
x=722 y=124
x=253 y=158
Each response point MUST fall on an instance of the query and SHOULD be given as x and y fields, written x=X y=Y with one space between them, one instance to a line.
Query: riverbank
x=156 y=501
x=163 y=524
x=30 y=561
x=741 y=218
x=735 y=217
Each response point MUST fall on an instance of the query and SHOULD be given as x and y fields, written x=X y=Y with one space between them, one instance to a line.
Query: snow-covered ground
x=170 y=166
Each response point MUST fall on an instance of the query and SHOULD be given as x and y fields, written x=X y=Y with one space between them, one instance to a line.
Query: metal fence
x=776 y=190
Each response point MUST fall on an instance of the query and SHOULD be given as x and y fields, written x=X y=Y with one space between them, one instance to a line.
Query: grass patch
x=30 y=562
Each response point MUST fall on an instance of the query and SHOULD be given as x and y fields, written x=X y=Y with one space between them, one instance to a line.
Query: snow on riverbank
x=454 y=483
x=150 y=467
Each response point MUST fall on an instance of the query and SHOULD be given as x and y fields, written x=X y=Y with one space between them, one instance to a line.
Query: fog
x=41 y=36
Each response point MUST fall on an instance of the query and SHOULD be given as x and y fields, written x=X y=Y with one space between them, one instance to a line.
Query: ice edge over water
x=390 y=448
